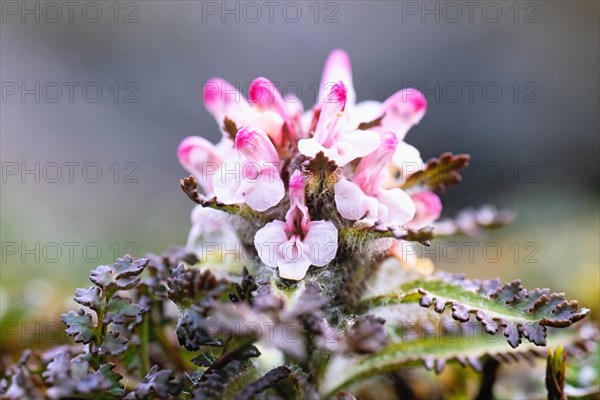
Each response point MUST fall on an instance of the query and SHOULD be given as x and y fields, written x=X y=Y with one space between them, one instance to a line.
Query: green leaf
x=18 y=382
x=88 y=297
x=123 y=275
x=248 y=352
x=79 y=366
x=203 y=360
x=160 y=382
x=423 y=235
x=270 y=379
x=121 y=309
x=112 y=344
x=439 y=173
x=188 y=286
x=107 y=371
x=468 y=347
x=192 y=332
x=225 y=382
x=230 y=372
x=511 y=309
x=244 y=292
x=73 y=378
x=80 y=325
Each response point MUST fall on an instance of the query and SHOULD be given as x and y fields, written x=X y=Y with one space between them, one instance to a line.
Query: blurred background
x=96 y=97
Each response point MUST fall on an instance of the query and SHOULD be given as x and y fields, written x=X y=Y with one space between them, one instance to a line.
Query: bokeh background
x=515 y=84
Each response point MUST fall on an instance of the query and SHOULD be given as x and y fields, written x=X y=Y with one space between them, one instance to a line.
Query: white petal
x=226 y=148
x=267 y=241
x=350 y=200
x=407 y=159
x=296 y=269
x=227 y=181
x=209 y=219
x=306 y=123
x=356 y=144
x=310 y=147
x=211 y=234
x=193 y=236
x=365 y=111
x=265 y=192
x=399 y=206
x=321 y=242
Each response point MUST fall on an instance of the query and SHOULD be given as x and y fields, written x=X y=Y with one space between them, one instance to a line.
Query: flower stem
x=144 y=339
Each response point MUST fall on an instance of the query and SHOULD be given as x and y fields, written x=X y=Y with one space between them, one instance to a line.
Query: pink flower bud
x=402 y=111
x=372 y=169
x=255 y=144
x=297 y=186
x=200 y=158
x=297 y=218
x=428 y=209
x=222 y=99
x=263 y=95
x=337 y=68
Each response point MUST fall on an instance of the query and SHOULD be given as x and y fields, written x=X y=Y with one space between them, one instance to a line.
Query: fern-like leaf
x=467 y=347
x=439 y=173
x=511 y=309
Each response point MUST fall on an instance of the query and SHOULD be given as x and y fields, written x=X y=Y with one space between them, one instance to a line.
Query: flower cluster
x=268 y=142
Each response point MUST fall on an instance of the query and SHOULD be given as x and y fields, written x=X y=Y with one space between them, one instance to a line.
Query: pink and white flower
x=201 y=158
x=267 y=109
x=209 y=226
x=272 y=130
x=333 y=135
x=297 y=243
x=252 y=176
x=363 y=197
x=265 y=97
x=399 y=113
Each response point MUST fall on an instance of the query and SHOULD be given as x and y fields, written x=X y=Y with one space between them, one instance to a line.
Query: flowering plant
x=300 y=277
